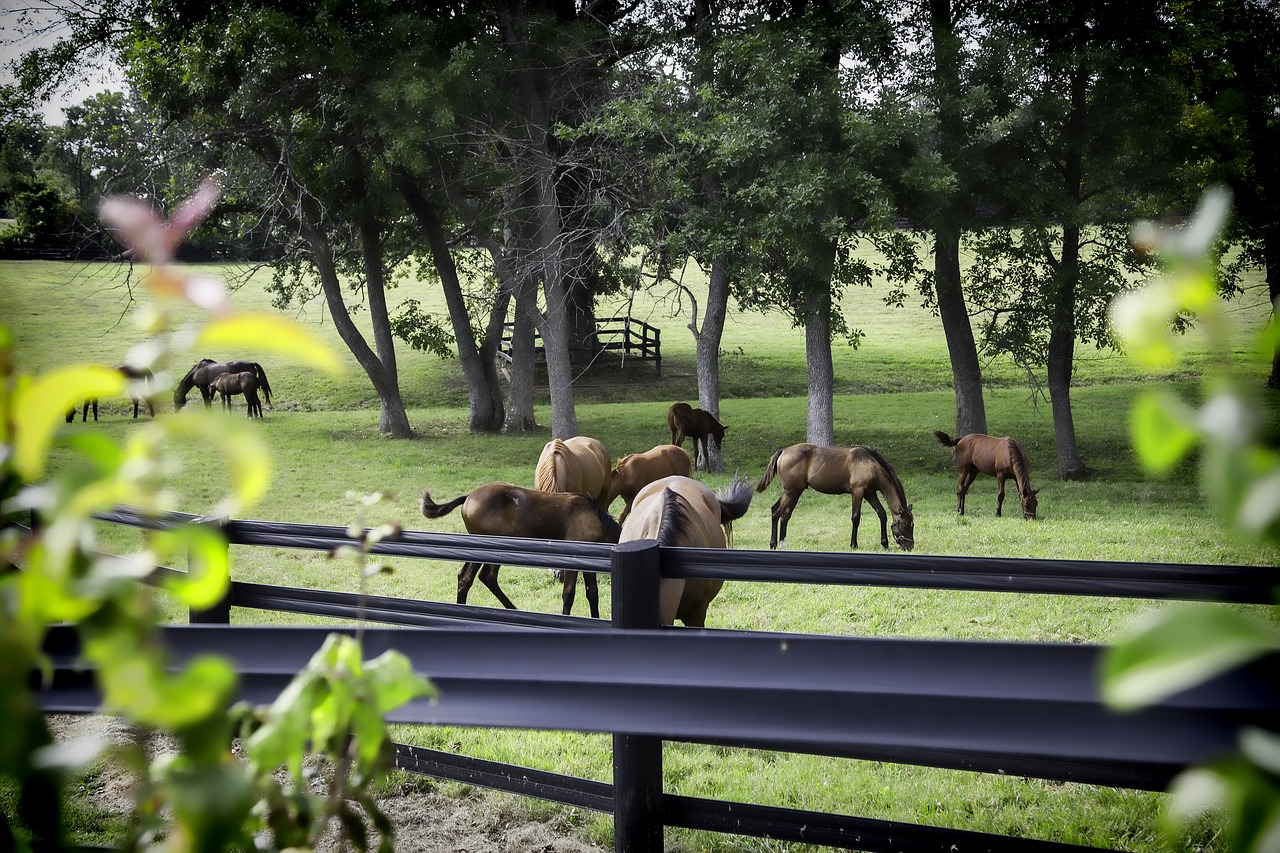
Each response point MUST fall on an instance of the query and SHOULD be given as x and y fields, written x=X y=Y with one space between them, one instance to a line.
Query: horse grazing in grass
x=985 y=454
x=230 y=384
x=137 y=376
x=579 y=465
x=679 y=511
x=685 y=421
x=858 y=471
x=204 y=371
x=501 y=509
x=637 y=470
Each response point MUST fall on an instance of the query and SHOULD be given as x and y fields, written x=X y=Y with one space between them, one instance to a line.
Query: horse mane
x=612 y=529
x=677 y=516
x=1021 y=468
x=901 y=493
x=545 y=478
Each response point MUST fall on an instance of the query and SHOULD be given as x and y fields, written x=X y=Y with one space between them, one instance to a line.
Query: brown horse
x=985 y=454
x=501 y=509
x=140 y=379
x=679 y=511
x=230 y=384
x=637 y=470
x=204 y=371
x=858 y=471
x=698 y=424
x=579 y=465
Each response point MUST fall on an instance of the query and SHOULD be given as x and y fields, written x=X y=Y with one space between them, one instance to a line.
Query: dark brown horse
x=637 y=470
x=858 y=471
x=685 y=421
x=678 y=511
x=204 y=371
x=985 y=454
x=230 y=384
x=579 y=465
x=140 y=379
x=502 y=509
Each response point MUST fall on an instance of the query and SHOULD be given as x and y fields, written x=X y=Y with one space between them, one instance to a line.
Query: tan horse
x=684 y=421
x=637 y=470
x=858 y=471
x=1001 y=457
x=230 y=384
x=503 y=509
x=579 y=465
x=679 y=511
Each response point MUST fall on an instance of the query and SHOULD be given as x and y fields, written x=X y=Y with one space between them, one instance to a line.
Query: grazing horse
x=698 y=424
x=579 y=465
x=136 y=376
x=204 y=371
x=858 y=471
x=230 y=384
x=679 y=511
x=501 y=509
x=637 y=470
x=985 y=454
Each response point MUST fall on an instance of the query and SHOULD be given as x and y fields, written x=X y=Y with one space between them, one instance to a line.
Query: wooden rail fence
x=631 y=337
x=1029 y=709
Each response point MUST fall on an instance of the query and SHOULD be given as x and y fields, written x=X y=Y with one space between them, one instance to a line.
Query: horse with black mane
x=986 y=454
x=137 y=376
x=204 y=371
x=681 y=512
x=230 y=384
x=858 y=471
x=503 y=509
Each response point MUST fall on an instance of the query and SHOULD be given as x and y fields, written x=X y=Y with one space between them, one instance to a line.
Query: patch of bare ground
x=426 y=821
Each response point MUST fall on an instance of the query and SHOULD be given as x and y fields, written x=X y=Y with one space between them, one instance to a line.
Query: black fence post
x=219 y=613
x=637 y=759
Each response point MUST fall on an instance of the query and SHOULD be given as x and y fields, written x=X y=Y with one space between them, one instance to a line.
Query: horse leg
x=781 y=512
x=489 y=577
x=136 y=403
x=466 y=577
x=567 y=593
x=95 y=410
x=962 y=487
x=884 y=518
x=1000 y=477
x=593 y=593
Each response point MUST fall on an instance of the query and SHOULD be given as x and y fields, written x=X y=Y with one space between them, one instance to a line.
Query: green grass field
x=891 y=392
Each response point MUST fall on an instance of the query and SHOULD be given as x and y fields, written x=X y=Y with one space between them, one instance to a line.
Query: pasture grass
x=893 y=390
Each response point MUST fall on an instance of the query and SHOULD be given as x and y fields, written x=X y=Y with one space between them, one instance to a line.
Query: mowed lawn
x=892 y=391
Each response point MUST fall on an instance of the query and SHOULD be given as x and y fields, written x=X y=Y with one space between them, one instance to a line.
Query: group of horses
x=574 y=487
x=228 y=378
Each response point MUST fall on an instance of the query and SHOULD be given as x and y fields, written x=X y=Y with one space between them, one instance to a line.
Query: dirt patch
x=426 y=821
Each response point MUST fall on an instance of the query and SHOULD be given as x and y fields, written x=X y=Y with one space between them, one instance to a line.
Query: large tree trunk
x=966 y=371
x=1062 y=343
x=817 y=342
x=708 y=351
x=483 y=389
x=396 y=420
x=392 y=419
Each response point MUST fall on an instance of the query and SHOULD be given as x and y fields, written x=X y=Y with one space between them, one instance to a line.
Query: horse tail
x=262 y=380
x=944 y=439
x=431 y=509
x=770 y=471
x=548 y=477
x=735 y=500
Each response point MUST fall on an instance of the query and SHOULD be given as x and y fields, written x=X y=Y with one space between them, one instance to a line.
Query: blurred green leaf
x=1160 y=427
x=1178 y=650
x=40 y=405
x=266 y=331
x=208 y=573
x=391 y=678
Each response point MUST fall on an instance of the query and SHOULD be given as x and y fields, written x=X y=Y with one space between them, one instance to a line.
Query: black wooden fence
x=1029 y=709
x=628 y=336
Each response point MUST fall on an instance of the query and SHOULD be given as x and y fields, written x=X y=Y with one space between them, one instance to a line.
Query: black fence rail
x=1028 y=709
x=626 y=335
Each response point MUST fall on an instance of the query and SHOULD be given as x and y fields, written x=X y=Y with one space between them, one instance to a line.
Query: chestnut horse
x=679 y=511
x=637 y=470
x=579 y=465
x=858 y=471
x=985 y=454
x=204 y=371
x=137 y=376
x=698 y=424
x=230 y=384
x=502 y=509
